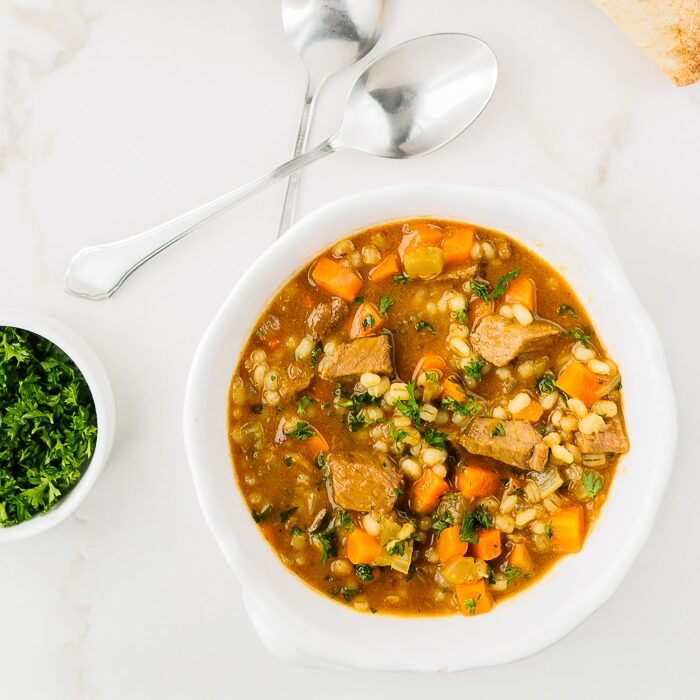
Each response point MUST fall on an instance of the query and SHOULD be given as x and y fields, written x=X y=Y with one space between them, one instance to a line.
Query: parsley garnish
x=260 y=333
x=565 y=310
x=472 y=523
x=397 y=548
x=474 y=368
x=461 y=316
x=424 y=326
x=297 y=531
x=316 y=353
x=47 y=425
x=481 y=289
x=288 y=460
x=548 y=530
x=302 y=431
x=359 y=299
x=328 y=544
x=470 y=605
x=304 y=403
x=349 y=593
x=256 y=408
x=286 y=514
x=469 y=408
x=546 y=383
x=511 y=572
x=443 y=521
x=498 y=430
x=591 y=482
x=320 y=462
x=355 y=421
x=368 y=322
x=410 y=406
x=578 y=334
x=364 y=572
x=434 y=437
x=385 y=304
x=396 y=435
x=262 y=514
x=401 y=279
x=345 y=521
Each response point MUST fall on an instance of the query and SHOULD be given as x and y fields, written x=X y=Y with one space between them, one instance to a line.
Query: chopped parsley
x=469 y=408
x=442 y=521
x=260 y=333
x=302 y=431
x=424 y=326
x=474 y=368
x=288 y=460
x=396 y=435
x=472 y=523
x=345 y=521
x=355 y=421
x=257 y=408
x=434 y=437
x=401 y=279
x=364 y=572
x=546 y=383
x=265 y=512
x=565 y=310
x=359 y=299
x=48 y=426
x=498 y=430
x=385 y=304
x=286 y=514
x=461 y=316
x=578 y=334
x=409 y=407
x=328 y=544
x=316 y=353
x=396 y=548
x=511 y=572
x=481 y=289
x=320 y=462
x=548 y=530
x=470 y=605
x=297 y=531
x=304 y=403
x=368 y=322
x=592 y=483
x=349 y=593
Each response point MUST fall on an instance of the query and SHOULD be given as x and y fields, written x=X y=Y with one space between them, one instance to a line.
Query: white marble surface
x=115 y=116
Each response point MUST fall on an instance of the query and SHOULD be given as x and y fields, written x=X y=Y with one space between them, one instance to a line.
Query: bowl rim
x=315 y=641
x=98 y=383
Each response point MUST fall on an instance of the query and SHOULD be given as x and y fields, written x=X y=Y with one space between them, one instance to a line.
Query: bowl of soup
x=421 y=415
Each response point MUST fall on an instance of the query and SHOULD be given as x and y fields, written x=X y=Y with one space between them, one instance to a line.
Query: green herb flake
x=261 y=515
x=304 y=403
x=345 y=521
x=469 y=408
x=359 y=299
x=373 y=611
x=481 y=289
x=434 y=437
x=385 y=304
x=364 y=572
x=546 y=383
x=474 y=368
x=401 y=279
x=548 y=530
x=442 y=522
x=498 y=430
x=565 y=310
x=396 y=548
x=460 y=316
x=328 y=544
x=316 y=353
x=502 y=283
x=470 y=605
x=297 y=531
x=349 y=593
x=368 y=322
x=302 y=431
x=424 y=326
x=592 y=482
x=48 y=426
x=579 y=334
x=511 y=572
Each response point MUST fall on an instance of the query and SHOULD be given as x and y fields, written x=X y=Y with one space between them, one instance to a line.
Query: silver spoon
x=329 y=35
x=410 y=101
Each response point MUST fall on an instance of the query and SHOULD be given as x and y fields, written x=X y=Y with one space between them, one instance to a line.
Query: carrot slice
x=479 y=310
x=532 y=413
x=489 y=545
x=449 y=546
x=317 y=444
x=419 y=235
x=568 y=529
x=579 y=381
x=457 y=248
x=388 y=267
x=452 y=389
x=520 y=558
x=522 y=291
x=426 y=492
x=366 y=321
x=430 y=363
x=335 y=279
x=473 y=598
x=361 y=548
x=478 y=482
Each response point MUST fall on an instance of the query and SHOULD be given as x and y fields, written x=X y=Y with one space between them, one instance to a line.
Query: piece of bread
x=668 y=31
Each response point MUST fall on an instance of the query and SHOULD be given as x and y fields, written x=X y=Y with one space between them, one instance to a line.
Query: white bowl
x=96 y=377
x=304 y=626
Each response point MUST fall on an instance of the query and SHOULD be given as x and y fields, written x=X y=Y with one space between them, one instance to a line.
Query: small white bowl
x=98 y=383
x=304 y=626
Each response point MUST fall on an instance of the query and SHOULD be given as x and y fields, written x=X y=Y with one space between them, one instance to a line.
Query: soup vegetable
x=424 y=419
x=47 y=425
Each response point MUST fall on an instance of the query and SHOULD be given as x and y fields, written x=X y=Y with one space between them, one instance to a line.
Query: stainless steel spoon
x=410 y=101
x=329 y=35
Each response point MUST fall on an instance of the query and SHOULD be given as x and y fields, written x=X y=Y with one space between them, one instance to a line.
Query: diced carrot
x=479 y=310
x=430 y=363
x=335 y=279
x=452 y=389
x=568 y=528
x=532 y=413
x=489 y=545
x=426 y=491
x=449 y=546
x=457 y=248
x=520 y=558
x=522 y=291
x=579 y=381
x=388 y=267
x=366 y=321
x=361 y=548
x=478 y=482
x=317 y=444
x=419 y=235
x=473 y=598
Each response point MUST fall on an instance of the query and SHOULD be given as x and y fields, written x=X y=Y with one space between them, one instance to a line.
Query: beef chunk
x=297 y=377
x=499 y=340
x=363 y=481
x=612 y=440
x=521 y=446
x=350 y=359
x=325 y=317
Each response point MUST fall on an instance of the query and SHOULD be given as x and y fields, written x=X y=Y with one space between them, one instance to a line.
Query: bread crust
x=668 y=31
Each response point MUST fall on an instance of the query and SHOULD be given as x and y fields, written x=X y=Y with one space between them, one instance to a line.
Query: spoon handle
x=98 y=271
x=292 y=192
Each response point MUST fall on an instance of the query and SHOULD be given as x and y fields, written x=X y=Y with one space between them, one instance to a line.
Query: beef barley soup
x=424 y=419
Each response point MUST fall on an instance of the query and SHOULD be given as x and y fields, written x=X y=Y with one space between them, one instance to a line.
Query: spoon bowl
x=419 y=96
x=408 y=102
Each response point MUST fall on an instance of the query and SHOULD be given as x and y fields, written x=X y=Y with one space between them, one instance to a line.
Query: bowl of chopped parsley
x=56 y=422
